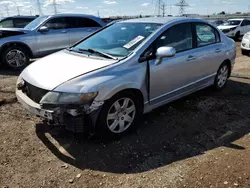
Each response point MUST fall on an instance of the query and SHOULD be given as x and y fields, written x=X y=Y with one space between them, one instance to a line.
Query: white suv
x=235 y=27
x=245 y=44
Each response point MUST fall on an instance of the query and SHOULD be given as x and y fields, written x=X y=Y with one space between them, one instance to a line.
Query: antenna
x=182 y=4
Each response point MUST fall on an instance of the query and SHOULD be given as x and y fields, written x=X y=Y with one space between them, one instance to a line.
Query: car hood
x=55 y=69
x=227 y=26
x=7 y=32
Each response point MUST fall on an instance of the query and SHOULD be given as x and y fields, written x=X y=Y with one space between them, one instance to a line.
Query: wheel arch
x=137 y=92
x=8 y=44
x=228 y=62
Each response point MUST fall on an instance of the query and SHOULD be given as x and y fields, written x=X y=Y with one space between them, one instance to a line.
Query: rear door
x=81 y=27
x=247 y=26
x=210 y=52
x=56 y=38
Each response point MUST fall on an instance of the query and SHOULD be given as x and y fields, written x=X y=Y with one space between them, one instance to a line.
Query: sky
x=121 y=7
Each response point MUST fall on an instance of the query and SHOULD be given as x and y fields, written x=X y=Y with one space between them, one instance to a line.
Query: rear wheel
x=15 y=57
x=222 y=76
x=119 y=115
x=245 y=52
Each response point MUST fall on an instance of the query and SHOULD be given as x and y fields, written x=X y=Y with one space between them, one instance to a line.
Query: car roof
x=159 y=20
x=19 y=17
x=97 y=19
x=238 y=19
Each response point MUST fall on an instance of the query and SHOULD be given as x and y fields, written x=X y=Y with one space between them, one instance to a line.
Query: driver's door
x=55 y=39
x=178 y=74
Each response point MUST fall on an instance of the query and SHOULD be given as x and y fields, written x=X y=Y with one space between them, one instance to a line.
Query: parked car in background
x=245 y=44
x=235 y=27
x=107 y=80
x=43 y=36
x=217 y=22
x=16 y=21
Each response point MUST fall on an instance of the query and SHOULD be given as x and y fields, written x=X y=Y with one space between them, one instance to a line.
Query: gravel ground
x=200 y=141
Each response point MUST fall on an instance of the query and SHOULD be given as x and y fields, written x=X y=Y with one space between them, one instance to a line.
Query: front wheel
x=15 y=57
x=119 y=115
x=222 y=76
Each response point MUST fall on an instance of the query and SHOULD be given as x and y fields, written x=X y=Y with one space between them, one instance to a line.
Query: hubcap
x=222 y=76
x=15 y=58
x=121 y=115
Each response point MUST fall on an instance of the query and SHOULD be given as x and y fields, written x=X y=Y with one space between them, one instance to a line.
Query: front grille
x=33 y=92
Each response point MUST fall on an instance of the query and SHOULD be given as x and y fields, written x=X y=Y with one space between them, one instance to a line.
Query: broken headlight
x=68 y=98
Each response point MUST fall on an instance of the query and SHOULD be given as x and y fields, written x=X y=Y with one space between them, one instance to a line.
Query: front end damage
x=74 y=117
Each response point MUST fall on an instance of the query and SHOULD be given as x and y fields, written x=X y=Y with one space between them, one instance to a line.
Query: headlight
x=68 y=98
x=247 y=36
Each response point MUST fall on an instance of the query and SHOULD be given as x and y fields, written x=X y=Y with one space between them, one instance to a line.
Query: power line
x=182 y=4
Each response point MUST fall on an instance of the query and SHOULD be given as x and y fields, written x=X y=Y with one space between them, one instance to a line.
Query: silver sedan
x=104 y=83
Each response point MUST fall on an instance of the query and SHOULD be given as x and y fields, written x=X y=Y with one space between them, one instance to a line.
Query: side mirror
x=163 y=52
x=43 y=29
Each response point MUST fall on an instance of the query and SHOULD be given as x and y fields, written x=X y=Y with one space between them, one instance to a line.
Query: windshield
x=33 y=25
x=119 y=39
x=232 y=22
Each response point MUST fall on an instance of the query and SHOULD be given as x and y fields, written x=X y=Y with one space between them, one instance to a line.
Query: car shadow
x=9 y=72
x=185 y=128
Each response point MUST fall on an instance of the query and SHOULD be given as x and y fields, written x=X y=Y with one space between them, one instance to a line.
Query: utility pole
x=163 y=8
x=7 y=10
x=158 y=7
x=39 y=7
x=182 y=4
x=55 y=6
x=98 y=13
x=18 y=10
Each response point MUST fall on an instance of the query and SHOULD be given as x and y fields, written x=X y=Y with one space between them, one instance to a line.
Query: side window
x=178 y=37
x=85 y=22
x=6 y=24
x=248 y=22
x=57 y=23
x=206 y=35
x=244 y=23
x=20 y=23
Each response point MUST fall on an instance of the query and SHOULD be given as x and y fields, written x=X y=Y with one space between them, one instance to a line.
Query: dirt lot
x=202 y=140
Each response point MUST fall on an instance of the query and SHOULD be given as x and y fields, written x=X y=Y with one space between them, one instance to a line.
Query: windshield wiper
x=97 y=52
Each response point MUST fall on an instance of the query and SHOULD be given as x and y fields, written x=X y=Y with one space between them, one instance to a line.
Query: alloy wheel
x=15 y=58
x=121 y=115
x=222 y=76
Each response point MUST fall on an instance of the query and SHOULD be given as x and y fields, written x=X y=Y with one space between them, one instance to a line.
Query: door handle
x=218 y=50
x=190 y=58
x=64 y=31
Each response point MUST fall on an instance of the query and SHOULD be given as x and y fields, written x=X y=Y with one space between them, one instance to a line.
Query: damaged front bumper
x=74 y=118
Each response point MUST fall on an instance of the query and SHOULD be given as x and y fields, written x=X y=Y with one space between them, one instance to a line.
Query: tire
x=15 y=57
x=117 y=125
x=245 y=52
x=222 y=76
x=237 y=35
